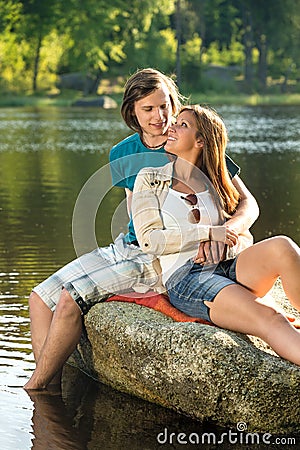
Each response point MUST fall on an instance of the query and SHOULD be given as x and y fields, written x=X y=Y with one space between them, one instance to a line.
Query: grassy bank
x=246 y=100
x=32 y=100
x=65 y=100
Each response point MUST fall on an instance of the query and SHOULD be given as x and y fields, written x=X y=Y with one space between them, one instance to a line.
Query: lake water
x=46 y=156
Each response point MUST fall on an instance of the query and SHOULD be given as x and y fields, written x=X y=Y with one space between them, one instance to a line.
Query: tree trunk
x=96 y=82
x=284 y=84
x=248 y=46
x=36 y=62
x=202 y=28
x=262 y=63
x=178 y=37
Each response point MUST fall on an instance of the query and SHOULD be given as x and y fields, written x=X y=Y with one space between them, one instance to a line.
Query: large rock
x=101 y=101
x=202 y=371
x=77 y=81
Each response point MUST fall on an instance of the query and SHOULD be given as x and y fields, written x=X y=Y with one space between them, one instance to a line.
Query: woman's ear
x=200 y=142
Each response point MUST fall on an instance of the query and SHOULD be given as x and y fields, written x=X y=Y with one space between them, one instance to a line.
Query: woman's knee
x=283 y=247
x=270 y=323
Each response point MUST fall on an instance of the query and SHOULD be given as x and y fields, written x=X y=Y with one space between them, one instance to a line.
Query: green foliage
x=226 y=56
x=40 y=40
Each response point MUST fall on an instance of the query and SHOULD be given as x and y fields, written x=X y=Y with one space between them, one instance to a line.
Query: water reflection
x=46 y=156
x=87 y=414
x=274 y=179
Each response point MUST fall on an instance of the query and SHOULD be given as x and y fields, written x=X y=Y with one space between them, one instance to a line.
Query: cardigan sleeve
x=149 y=194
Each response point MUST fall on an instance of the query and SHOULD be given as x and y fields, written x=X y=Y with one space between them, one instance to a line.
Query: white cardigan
x=149 y=193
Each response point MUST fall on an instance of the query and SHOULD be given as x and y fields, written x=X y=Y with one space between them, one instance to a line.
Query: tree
x=42 y=40
x=38 y=20
x=268 y=27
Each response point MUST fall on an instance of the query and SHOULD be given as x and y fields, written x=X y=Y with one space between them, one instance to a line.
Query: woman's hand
x=224 y=234
x=210 y=252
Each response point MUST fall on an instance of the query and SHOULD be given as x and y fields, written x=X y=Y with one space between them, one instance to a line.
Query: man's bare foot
x=52 y=387
x=51 y=391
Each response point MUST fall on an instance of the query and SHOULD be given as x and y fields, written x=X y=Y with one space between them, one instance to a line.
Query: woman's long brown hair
x=212 y=130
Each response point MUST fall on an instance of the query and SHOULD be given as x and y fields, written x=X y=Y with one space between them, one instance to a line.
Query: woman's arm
x=150 y=230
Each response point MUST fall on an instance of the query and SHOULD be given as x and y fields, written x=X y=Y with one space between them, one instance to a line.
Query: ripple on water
x=16 y=413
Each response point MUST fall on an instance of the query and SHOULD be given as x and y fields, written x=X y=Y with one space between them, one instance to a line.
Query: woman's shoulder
x=162 y=172
x=157 y=178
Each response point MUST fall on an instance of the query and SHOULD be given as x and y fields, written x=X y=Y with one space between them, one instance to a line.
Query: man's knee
x=36 y=303
x=33 y=299
x=67 y=306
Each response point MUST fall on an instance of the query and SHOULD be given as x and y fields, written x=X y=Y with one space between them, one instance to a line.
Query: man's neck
x=154 y=141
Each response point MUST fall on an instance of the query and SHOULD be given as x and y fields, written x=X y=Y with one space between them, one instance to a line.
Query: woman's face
x=182 y=136
x=154 y=112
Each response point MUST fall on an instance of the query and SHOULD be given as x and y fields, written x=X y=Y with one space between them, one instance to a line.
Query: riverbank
x=68 y=98
x=247 y=100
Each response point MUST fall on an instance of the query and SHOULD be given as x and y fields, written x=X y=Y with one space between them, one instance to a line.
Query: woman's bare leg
x=238 y=309
x=63 y=336
x=259 y=266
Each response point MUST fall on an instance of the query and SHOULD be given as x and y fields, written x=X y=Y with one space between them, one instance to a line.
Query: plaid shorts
x=95 y=276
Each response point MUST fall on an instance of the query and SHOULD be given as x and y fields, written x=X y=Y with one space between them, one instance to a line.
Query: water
x=46 y=156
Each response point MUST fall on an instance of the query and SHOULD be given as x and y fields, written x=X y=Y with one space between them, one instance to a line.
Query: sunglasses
x=194 y=215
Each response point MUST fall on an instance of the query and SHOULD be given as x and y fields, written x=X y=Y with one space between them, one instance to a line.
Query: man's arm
x=247 y=211
x=128 y=193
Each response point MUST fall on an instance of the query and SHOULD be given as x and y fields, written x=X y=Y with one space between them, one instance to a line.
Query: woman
x=229 y=294
x=150 y=101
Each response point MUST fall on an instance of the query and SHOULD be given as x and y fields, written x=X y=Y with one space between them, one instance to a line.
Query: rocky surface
x=201 y=371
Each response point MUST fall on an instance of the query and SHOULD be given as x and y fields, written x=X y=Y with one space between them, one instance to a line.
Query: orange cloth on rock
x=161 y=303
x=158 y=302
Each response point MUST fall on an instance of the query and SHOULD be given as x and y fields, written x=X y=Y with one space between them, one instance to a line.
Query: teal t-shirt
x=129 y=156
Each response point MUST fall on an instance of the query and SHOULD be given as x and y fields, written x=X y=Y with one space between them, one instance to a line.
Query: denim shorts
x=192 y=284
x=95 y=276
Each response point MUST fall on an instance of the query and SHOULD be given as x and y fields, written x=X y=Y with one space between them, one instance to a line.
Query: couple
x=57 y=304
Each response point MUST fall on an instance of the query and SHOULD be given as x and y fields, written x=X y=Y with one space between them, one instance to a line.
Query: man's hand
x=210 y=252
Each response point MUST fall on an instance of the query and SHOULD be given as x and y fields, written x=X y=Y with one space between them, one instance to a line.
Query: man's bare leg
x=63 y=335
x=40 y=321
